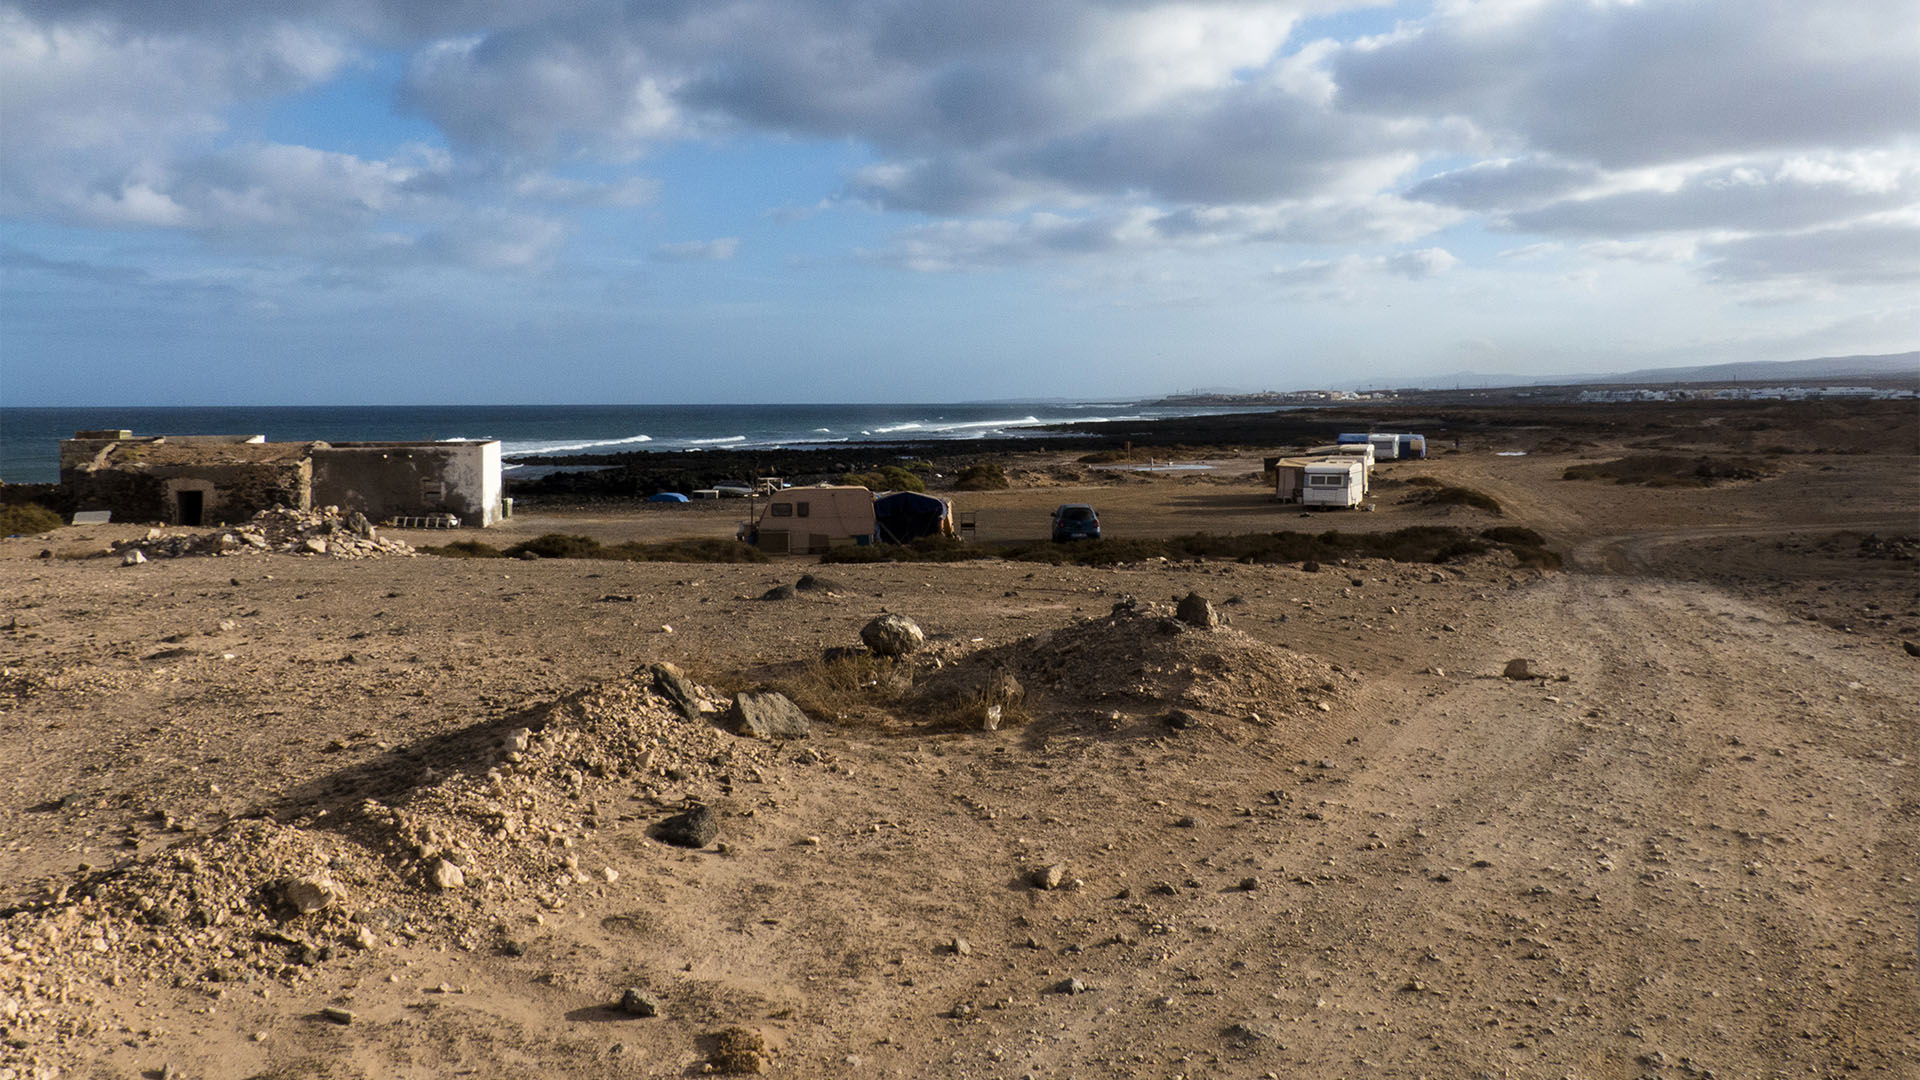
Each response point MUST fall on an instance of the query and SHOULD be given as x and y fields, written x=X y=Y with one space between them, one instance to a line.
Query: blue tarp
x=667 y=496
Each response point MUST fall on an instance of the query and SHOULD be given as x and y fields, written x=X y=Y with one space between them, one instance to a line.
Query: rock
x=338 y=1015
x=1070 y=986
x=1519 y=669
x=768 y=716
x=445 y=876
x=1244 y=1033
x=960 y=947
x=811 y=583
x=1048 y=877
x=1912 y=649
x=696 y=828
x=669 y=683
x=1311 y=566
x=778 y=592
x=892 y=635
x=310 y=894
x=635 y=1002
x=315 y=545
x=1249 y=884
x=134 y=558
x=358 y=525
x=1197 y=610
x=516 y=740
x=1179 y=719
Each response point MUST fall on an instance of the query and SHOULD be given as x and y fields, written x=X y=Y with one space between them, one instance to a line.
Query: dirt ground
x=1326 y=839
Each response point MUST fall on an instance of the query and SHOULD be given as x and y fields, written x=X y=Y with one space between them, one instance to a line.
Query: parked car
x=1075 y=521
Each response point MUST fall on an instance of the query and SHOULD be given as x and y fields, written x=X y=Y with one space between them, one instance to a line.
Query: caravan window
x=802 y=512
x=781 y=510
x=1325 y=480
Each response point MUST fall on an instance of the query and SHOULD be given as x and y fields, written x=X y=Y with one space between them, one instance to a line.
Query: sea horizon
x=30 y=435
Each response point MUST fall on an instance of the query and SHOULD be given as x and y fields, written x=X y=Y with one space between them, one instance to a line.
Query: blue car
x=1075 y=521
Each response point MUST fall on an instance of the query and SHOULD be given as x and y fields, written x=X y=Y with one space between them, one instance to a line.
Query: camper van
x=811 y=520
x=1362 y=452
x=1406 y=444
x=1334 y=481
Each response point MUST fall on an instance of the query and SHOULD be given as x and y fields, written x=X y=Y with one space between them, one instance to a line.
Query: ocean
x=30 y=437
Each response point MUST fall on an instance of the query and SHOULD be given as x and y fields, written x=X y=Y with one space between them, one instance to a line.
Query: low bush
x=557 y=546
x=1420 y=543
x=27 y=519
x=1669 y=470
x=1450 y=495
x=564 y=546
x=887 y=478
x=981 y=478
x=1514 y=534
x=462 y=549
x=925 y=549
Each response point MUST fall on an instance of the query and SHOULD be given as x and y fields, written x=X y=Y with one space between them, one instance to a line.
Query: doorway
x=192 y=505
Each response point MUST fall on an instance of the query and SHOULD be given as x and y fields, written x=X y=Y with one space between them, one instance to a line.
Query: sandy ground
x=1688 y=850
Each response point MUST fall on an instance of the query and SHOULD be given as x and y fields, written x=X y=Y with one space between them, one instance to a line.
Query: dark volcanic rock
x=1197 y=610
x=696 y=828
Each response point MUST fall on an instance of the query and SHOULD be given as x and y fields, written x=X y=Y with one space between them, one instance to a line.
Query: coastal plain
x=1335 y=834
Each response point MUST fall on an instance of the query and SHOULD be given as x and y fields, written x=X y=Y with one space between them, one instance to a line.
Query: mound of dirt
x=1135 y=663
x=443 y=841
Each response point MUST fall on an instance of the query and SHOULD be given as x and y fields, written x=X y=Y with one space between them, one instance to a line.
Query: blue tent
x=901 y=517
x=667 y=497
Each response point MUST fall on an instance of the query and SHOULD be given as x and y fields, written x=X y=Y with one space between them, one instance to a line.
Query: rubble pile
x=486 y=825
x=326 y=531
x=1141 y=660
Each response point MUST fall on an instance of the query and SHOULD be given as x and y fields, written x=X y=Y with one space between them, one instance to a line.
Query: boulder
x=892 y=635
x=1197 y=610
x=768 y=715
x=1519 y=669
x=778 y=592
x=696 y=828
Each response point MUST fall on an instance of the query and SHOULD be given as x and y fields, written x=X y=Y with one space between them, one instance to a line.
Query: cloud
x=1786 y=195
x=1503 y=184
x=718 y=250
x=1876 y=252
x=1629 y=84
x=1019 y=132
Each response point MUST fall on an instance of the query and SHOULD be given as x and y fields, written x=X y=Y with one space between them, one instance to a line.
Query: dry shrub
x=27 y=519
x=1442 y=494
x=981 y=477
x=567 y=546
x=1670 y=470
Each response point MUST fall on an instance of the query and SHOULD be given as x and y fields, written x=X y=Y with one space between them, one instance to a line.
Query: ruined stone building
x=219 y=479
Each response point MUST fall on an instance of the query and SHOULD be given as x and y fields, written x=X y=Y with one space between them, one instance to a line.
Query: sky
x=661 y=201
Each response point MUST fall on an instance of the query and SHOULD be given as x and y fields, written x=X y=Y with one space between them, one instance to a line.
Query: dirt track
x=1687 y=850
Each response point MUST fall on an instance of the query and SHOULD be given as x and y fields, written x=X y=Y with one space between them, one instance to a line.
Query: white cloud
x=718 y=250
